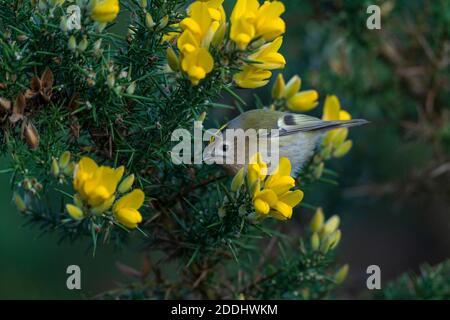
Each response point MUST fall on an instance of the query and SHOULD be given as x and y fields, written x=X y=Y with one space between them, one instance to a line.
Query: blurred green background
x=393 y=194
x=33 y=266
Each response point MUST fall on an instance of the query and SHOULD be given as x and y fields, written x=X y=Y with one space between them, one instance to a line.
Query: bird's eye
x=225 y=147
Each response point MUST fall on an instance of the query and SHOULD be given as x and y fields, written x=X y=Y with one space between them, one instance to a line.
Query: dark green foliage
x=431 y=283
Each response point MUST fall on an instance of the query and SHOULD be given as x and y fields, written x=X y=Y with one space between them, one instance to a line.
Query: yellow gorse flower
x=97 y=187
x=335 y=140
x=197 y=64
x=250 y=77
x=96 y=184
x=204 y=19
x=265 y=58
x=105 y=10
x=295 y=99
x=126 y=208
x=271 y=194
x=250 y=20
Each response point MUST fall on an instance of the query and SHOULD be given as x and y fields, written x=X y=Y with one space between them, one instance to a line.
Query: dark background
x=393 y=194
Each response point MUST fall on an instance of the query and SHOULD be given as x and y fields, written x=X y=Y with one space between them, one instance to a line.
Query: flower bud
x=330 y=226
x=118 y=90
x=64 y=159
x=97 y=44
x=149 y=23
x=20 y=203
x=341 y=274
x=327 y=149
x=72 y=45
x=163 y=22
x=221 y=212
x=343 y=149
x=101 y=26
x=82 y=46
x=292 y=87
x=78 y=201
x=238 y=180
x=278 y=87
x=68 y=171
x=315 y=241
x=143 y=4
x=131 y=88
x=63 y=24
x=75 y=212
x=111 y=80
x=126 y=184
x=339 y=137
x=172 y=59
x=317 y=220
x=335 y=238
x=325 y=244
x=55 y=168
x=318 y=171
x=22 y=37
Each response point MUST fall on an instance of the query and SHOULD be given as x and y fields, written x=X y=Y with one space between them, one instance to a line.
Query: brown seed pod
x=31 y=135
x=5 y=104
x=42 y=86
x=18 y=109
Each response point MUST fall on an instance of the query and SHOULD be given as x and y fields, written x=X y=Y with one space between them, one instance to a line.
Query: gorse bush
x=87 y=116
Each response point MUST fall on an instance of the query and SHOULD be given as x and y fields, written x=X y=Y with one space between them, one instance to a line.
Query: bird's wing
x=291 y=123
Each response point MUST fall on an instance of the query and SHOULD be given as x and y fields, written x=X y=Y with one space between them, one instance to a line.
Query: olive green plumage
x=298 y=135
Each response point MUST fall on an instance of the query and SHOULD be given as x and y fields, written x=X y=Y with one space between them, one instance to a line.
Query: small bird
x=298 y=136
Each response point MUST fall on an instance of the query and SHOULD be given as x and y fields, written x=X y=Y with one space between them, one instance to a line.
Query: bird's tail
x=329 y=125
x=294 y=123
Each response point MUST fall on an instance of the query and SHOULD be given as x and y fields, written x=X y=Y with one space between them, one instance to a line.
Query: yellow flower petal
x=133 y=200
x=129 y=217
x=191 y=25
x=292 y=198
x=283 y=211
x=268 y=23
x=344 y=115
x=187 y=42
x=303 y=101
x=331 y=108
x=268 y=57
x=267 y=196
x=281 y=185
x=105 y=10
x=261 y=207
x=197 y=64
x=251 y=77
